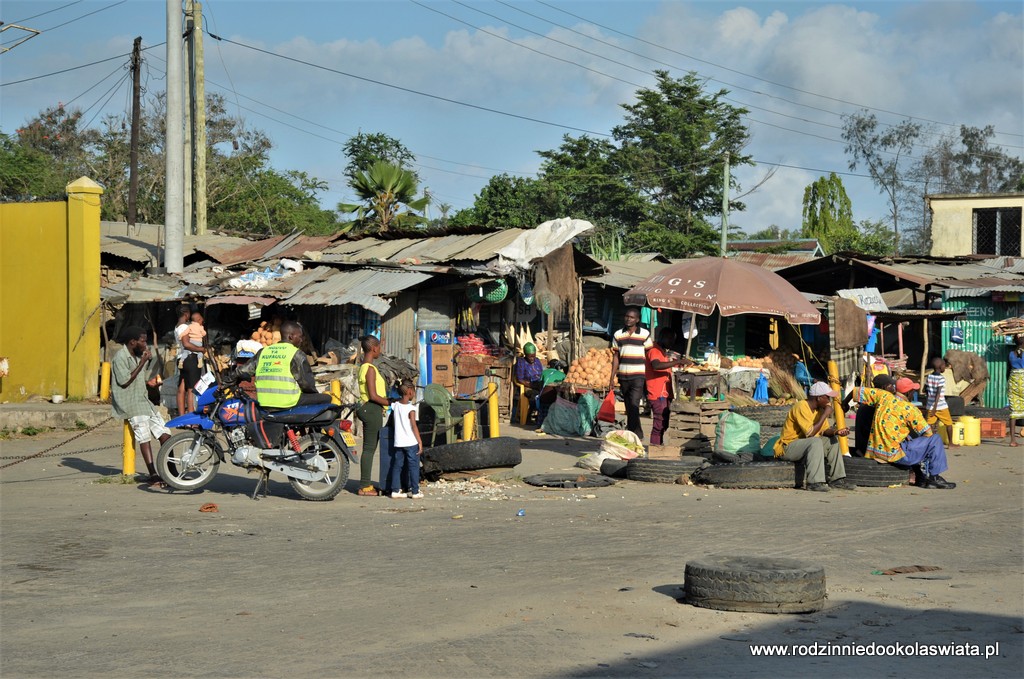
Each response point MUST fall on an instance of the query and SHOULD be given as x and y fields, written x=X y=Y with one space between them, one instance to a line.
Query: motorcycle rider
x=281 y=372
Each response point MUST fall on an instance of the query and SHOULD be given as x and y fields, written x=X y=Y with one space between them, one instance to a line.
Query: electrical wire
x=754 y=77
x=75 y=68
x=112 y=91
x=101 y=81
x=69 y=21
x=49 y=11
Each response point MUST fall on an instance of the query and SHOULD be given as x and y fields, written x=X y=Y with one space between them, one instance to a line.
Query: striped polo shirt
x=632 y=348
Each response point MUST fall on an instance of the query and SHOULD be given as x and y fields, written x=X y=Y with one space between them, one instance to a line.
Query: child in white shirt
x=407 y=444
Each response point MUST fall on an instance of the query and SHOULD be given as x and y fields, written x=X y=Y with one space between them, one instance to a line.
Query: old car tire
x=469 y=455
x=662 y=471
x=768 y=474
x=770 y=416
x=755 y=584
x=563 y=480
x=614 y=468
x=868 y=473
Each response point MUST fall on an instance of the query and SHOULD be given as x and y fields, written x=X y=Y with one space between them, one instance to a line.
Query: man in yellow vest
x=281 y=372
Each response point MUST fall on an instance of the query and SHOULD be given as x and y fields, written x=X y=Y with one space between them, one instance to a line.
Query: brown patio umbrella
x=700 y=285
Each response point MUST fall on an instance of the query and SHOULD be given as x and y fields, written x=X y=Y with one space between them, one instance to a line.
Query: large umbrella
x=701 y=285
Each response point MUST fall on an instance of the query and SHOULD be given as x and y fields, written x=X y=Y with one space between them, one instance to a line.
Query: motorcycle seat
x=311 y=414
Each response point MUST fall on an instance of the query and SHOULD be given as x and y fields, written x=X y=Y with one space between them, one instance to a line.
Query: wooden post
x=693 y=327
x=924 y=354
x=837 y=406
x=492 y=409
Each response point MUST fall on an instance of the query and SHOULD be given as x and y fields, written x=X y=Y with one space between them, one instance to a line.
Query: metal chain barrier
x=43 y=453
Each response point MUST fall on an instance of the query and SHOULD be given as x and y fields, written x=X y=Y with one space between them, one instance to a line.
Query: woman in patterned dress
x=1016 y=385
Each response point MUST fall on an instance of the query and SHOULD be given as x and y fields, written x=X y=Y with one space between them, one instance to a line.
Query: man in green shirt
x=129 y=397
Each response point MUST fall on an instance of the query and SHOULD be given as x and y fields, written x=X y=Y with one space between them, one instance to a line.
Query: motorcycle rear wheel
x=197 y=471
x=335 y=477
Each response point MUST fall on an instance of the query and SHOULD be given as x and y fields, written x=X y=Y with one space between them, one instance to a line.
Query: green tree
x=366 y=148
x=827 y=211
x=507 y=202
x=26 y=173
x=869 y=237
x=970 y=163
x=385 y=191
x=886 y=152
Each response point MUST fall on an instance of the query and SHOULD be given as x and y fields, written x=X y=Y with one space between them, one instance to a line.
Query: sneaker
x=842 y=484
x=396 y=495
x=818 y=487
x=415 y=496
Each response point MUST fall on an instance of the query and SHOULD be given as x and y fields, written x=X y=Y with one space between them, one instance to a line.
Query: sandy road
x=102 y=579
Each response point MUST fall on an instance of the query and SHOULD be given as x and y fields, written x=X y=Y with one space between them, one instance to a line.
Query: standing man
x=629 y=365
x=808 y=435
x=129 y=397
x=282 y=374
x=660 y=390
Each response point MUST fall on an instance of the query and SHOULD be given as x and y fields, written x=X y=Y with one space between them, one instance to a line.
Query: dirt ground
x=114 y=580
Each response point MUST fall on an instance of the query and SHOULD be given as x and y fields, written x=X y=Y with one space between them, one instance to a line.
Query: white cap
x=822 y=389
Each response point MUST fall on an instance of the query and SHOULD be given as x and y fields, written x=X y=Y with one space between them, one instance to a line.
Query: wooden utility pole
x=199 y=119
x=133 y=157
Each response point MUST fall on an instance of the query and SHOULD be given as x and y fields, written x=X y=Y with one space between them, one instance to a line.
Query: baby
x=196 y=333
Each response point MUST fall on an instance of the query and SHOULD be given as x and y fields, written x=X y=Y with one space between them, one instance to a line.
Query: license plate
x=349 y=440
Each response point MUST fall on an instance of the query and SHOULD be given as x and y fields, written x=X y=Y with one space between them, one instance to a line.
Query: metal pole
x=133 y=156
x=174 y=218
x=725 y=205
x=492 y=409
x=189 y=83
x=199 y=121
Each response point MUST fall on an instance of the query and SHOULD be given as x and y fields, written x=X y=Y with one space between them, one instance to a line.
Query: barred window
x=997 y=231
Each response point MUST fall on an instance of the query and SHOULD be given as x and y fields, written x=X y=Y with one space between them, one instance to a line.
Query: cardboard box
x=442 y=368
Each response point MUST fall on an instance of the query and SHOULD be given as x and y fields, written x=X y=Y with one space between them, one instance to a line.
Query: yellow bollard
x=128 y=451
x=336 y=392
x=492 y=409
x=833 y=380
x=105 y=381
x=468 y=426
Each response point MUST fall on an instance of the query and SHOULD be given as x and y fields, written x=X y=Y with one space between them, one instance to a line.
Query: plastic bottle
x=709 y=351
x=712 y=358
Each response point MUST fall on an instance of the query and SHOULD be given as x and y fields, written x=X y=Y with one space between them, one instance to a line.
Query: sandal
x=369 y=491
x=156 y=482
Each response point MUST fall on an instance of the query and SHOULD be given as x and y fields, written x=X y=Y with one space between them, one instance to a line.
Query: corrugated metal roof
x=625 y=274
x=984 y=291
x=363 y=287
x=772 y=261
x=140 y=243
x=791 y=246
x=452 y=248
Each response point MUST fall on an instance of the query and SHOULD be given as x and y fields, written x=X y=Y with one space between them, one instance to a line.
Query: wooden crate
x=692 y=425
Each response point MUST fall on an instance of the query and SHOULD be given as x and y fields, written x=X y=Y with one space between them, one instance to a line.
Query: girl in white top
x=407 y=445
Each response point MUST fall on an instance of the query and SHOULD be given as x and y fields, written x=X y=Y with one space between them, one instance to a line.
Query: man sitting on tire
x=900 y=435
x=808 y=435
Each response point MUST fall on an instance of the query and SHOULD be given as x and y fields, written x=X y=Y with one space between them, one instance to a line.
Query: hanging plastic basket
x=490 y=292
x=526 y=292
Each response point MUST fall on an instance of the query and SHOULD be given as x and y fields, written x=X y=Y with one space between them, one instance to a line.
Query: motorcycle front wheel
x=335 y=477
x=187 y=461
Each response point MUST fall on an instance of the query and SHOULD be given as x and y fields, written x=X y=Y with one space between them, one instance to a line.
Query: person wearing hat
x=528 y=373
x=808 y=435
x=900 y=435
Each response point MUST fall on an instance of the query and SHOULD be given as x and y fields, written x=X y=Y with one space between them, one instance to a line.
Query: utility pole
x=199 y=119
x=186 y=182
x=725 y=205
x=133 y=158
x=174 y=222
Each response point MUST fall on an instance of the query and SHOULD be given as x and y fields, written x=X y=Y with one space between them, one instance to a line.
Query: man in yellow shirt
x=808 y=435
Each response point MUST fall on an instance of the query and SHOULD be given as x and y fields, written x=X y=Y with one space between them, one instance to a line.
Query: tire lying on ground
x=767 y=474
x=570 y=480
x=771 y=416
x=871 y=474
x=614 y=468
x=469 y=455
x=755 y=584
x=662 y=471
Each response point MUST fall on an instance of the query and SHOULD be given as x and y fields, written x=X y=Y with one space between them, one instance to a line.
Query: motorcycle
x=311 y=445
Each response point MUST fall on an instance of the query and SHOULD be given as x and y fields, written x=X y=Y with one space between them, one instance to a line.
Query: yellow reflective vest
x=275 y=385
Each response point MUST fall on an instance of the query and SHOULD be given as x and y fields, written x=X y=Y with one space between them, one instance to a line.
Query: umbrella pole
x=718 y=333
x=693 y=326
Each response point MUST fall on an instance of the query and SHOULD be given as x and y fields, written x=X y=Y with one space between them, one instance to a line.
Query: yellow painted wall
x=46 y=295
x=953 y=222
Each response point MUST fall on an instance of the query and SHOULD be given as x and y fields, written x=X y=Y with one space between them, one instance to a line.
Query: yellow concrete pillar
x=105 y=381
x=336 y=392
x=83 y=287
x=469 y=426
x=128 y=451
x=837 y=406
x=492 y=409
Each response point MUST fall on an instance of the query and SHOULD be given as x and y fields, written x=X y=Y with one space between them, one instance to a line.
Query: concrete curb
x=52 y=415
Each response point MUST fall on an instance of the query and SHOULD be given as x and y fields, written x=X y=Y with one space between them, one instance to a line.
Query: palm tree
x=385 y=190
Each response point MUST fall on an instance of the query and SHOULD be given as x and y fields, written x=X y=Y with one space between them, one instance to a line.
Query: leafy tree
x=286 y=201
x=827 y=208
x=970 y=163
x=507 y=202
x=27 y=173
x=887 y=155
x=385 y=190
x=366 y=148
x=869 y=238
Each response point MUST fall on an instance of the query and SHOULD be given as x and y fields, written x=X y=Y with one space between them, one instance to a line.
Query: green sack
x=737 y=434
x=588 y=406
x=563 y=419
x=768 y=449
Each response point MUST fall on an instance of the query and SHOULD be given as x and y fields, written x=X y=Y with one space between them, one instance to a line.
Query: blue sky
x=801 y=64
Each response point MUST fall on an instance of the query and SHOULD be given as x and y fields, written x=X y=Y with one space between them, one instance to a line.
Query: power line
x=71 y=21
x=410 y=90
x=112 y=91
x=75 y=68
x=49 y=11
x=748 y=75
x=101 y=81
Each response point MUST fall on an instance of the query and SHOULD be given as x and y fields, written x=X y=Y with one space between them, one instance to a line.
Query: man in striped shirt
x=629 y=365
